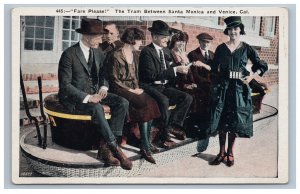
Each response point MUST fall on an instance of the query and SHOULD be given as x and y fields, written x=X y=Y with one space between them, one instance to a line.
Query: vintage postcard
x=150 y=95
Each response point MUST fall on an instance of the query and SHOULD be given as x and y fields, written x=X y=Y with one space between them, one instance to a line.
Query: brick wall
x=271 y=76
x=269 y=54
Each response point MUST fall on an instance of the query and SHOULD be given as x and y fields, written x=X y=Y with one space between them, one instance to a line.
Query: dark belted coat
x=231 y=104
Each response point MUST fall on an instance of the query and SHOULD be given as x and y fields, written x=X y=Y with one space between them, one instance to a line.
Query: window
x=69 y=35
x=249 y=23
x=270 y=26
x=39 y=32
x=252 y=25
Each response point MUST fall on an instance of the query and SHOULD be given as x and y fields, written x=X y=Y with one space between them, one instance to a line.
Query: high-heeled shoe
x=220 y=158
x=147 y=156
x=230 y=163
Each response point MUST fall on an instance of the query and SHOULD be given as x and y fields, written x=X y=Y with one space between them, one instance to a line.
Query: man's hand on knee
x=96 y=98
x=102 y=93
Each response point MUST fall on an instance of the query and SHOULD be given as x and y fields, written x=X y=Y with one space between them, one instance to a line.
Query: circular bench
x=73 y=130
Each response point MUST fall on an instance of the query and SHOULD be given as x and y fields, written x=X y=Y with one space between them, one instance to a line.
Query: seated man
x=82 y=86
x=156 y=76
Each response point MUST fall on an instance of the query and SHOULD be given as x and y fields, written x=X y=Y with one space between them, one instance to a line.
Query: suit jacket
x=200 y=74
x=75 y=79
x=150 y=66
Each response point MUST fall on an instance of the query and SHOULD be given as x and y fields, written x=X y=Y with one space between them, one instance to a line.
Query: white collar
x=203 y=51
x=83 y=47
x=85 y=50
x=156 y=46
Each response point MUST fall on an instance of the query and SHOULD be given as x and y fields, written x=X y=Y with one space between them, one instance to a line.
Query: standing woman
x=124 y=81
x=231 y=104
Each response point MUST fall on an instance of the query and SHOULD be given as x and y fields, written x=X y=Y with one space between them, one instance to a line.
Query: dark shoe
x=229 y=162
x=106 y=155
x=220 y=158
x=117 y=152
x=154 y=149
x=167 y=144
x=178 y=133
x=147 y=155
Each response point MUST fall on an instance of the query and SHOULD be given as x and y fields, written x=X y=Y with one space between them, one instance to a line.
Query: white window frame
x=270 y=22
x=252 y=25
x=69 y=41
x=45 y=56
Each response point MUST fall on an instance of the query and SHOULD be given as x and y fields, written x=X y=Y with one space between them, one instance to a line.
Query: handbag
x=258 y=87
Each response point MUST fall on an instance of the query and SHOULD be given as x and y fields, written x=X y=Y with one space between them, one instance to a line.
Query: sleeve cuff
x=258 y=72
x=174 y=68
x=104 y=88
x=86 y=99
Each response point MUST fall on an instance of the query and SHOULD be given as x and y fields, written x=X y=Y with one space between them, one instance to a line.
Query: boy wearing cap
x=200 y=75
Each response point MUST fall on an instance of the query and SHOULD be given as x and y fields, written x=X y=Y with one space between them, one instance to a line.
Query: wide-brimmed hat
x=233 y=21
x=204 y=36
x=160 y=28
x=91 y=27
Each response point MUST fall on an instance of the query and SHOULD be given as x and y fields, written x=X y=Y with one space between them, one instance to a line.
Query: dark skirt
x=233 y=114
x=232 y=109
x=142 y=108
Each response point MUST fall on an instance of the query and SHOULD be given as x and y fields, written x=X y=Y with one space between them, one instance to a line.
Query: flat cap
x=204 y=36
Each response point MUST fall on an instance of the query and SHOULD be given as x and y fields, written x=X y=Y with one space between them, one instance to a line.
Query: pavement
x=254 y=157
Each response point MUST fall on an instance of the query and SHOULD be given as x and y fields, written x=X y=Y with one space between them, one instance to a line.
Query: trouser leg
x=98 y=118
x=163 y=104
x=182 y=101
x=119 y=109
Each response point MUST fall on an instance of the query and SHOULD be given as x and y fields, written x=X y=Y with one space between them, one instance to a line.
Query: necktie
x=91 y=59
x=206 y=55
x=93 y=71
x=162 y=60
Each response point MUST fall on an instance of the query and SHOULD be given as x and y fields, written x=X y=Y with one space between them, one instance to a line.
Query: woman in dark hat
x=124 y=82
x=231 y=104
